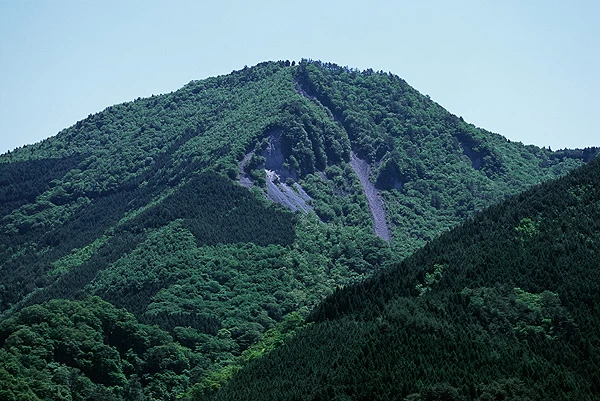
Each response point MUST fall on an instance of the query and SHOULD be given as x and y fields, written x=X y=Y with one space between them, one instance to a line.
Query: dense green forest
x=149 y=252
x=503 y=307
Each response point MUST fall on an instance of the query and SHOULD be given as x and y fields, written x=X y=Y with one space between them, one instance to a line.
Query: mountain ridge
x=163 y=207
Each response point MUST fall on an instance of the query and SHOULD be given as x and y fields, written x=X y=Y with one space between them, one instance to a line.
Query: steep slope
x=362 y=170
x=432 y=168
x=503 y=307
x=141 y=206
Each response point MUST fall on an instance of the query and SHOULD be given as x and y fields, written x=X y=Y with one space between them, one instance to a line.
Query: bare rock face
x=283 y=188
x=281 y=185
x=376 y=205
x=274 y=157
x=292 y=197
x=244 y=179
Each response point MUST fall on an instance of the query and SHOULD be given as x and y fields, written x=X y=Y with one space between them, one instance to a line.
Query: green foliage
x=218 y=211
x=528 y=315
x=430 y=279
x=271 y=340
x=527 y=228
x=77 y=257
x=501 y=318
x=137 y=204
x=70 y=350
x=197 y=290
x=338 y=196
x=433 y=168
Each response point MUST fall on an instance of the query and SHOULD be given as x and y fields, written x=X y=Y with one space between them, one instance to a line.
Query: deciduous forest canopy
x=192 y=244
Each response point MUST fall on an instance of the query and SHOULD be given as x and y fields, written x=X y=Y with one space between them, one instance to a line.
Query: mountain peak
x=199 y=227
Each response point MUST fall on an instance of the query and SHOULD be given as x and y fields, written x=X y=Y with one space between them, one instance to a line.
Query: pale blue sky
x=528 y=70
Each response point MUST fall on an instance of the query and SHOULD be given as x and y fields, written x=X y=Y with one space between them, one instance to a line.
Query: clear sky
x=527 y=69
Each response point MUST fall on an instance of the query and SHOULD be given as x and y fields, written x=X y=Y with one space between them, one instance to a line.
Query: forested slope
x=433 y=168
x=505 y=306
x=138 y=211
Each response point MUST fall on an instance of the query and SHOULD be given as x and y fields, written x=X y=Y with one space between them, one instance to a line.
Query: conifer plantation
x=297 y=231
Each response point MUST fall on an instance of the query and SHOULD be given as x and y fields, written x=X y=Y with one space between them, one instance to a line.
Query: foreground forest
x=505 y=307
x=152 y=250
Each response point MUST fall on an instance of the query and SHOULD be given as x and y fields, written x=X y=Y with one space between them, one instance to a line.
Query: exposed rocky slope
x=376 y=206
x=141 y=205
x=504 y=307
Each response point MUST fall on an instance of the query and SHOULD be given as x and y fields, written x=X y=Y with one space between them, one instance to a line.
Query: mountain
x=170 y=240
x=504 y=307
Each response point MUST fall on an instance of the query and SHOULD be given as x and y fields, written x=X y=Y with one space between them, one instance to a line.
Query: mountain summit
x=161 y=241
